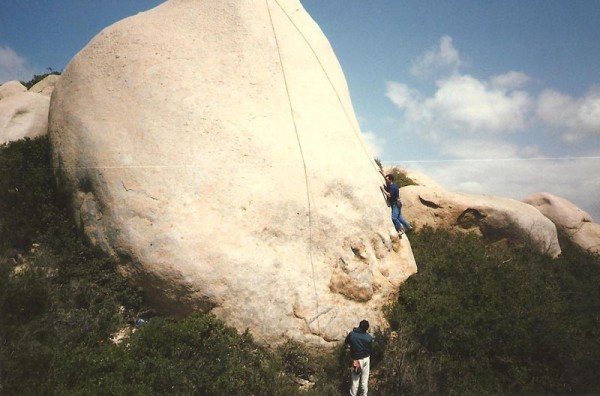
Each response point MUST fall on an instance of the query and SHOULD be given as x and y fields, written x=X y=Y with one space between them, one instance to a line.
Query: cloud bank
x=479 y=125
x=578 y=117
x=13 y=66
x=437 y=60
x=463 y=103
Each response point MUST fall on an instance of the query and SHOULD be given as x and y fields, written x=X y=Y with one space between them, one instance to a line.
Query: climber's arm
x=384 y=191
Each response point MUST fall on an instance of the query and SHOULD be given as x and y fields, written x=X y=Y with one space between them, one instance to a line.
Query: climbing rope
x=346 y=113
x=306 y=179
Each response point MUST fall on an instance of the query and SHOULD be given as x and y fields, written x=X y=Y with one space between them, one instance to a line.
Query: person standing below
x=392 y=193
x=360 y=350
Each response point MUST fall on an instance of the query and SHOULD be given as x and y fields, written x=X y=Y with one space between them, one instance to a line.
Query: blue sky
x=496 y=97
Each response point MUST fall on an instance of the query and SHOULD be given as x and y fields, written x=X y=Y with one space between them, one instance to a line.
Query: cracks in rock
x=319 y=314
x=308 y=321
x=143 y=192
x=429 y=204
x=572 y=231
x=358 y=252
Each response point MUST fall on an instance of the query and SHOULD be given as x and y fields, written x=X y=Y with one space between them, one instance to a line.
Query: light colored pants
x=361 y=378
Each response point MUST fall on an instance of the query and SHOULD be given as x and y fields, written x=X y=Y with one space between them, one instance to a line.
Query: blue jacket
x=394 y=191
x=360 y=343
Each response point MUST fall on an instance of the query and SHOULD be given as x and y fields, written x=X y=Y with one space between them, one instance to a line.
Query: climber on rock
x=392 y=194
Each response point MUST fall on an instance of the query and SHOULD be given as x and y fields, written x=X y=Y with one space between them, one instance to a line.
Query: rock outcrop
x=46 y=86
x=576 y=224
x=494 y=218
x=11 y=88
x=23 y=115
x=213 y=148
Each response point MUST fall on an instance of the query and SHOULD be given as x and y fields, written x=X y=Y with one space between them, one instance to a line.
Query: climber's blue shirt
x=394 y=192
x=360 y=343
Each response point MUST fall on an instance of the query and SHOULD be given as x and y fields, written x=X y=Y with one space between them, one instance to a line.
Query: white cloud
x=472 y=122
x=407 y=99
x=443 y=59
x=579 y=117
x=479 y=149
x=510 y=80
x=374 y=143
x=472 y=104
x=577 y=180
x=13 y=66
x=401 y=95
x=463 y=103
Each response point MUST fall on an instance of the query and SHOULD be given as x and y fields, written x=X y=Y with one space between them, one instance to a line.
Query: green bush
x=494 y=320
x=197 y=355
x=38 y=77
x=400 y=177
x=26 y=192
x=56 y=295
x=327 y=370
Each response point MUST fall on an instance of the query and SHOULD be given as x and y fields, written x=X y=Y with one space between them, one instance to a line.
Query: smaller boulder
x=493 y=218
x=23 y=115
x=46 y=86
x=11 y=88
x=575 y=223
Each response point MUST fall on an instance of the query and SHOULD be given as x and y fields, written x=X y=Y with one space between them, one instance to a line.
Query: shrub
x=475 y=320
x=38 y=77
x=26 y=192
x=56 y=295
x=400 y=178
x=197 y=355
x=327 y=370
x=378 y=162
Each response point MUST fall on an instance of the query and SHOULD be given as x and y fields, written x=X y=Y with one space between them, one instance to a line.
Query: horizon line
x=491 y=159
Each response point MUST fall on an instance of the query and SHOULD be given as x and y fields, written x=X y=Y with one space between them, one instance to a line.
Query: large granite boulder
x=213 y=148
x=23 y=115
x=46 y=86
x=576 y=224
x=10 y=88
x=493 y=218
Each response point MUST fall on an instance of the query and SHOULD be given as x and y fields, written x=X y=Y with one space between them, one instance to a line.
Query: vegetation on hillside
x=494 y=319
x=400 y=176
x=475 y=319
x=39 y=77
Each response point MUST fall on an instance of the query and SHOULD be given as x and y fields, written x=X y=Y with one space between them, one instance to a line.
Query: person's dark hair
x=389 y=176
x=364 y=325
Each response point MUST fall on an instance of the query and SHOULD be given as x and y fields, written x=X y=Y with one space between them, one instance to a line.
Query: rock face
x=10 y=88
x=568 y=218
x=212 y=145
x=23 y=115
x=46 y=86
x=493 y=218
